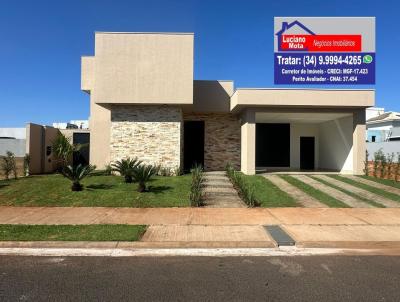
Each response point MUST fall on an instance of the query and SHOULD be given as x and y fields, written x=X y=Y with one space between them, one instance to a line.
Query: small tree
x=378 y=155
x=64 y=149
x=9 y=165
x=76 y=173
x=397 y=172
x=126 y=168
x=142 y=174
x=366 y=168
x=27 y=160
x=390 y=160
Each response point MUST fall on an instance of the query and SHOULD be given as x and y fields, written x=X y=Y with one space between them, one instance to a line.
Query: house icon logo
x=295 y=26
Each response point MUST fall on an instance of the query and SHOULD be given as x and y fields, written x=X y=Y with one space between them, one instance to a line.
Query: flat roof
x=146 y=33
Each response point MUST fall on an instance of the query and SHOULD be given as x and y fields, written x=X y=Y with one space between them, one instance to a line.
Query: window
x=373 y=138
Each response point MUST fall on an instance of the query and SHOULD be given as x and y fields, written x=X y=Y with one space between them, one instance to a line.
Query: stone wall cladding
x=222 y=139
x=151 y=133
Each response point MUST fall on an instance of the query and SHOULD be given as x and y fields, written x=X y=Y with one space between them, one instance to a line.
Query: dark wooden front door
x=307 y=153
x=193 y=151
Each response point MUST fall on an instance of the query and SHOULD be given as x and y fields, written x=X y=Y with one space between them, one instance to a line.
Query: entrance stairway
x=219 y=191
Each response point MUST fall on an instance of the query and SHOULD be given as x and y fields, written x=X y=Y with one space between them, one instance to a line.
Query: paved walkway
x=230 y=227
x=301 y=197
x=219 y=191
x=374 y=184
x=361 y=192
x=199 y=216
x=347 y=199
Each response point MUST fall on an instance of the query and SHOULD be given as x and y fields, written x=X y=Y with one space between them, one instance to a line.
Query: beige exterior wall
x=151 y=133
x=141 y=68
x=302 y=98
x=211 y=96
x=38 y=138
x=221 y=139
x=87 y=72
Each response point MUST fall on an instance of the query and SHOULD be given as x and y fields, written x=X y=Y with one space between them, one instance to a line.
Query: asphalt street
x=309 y=278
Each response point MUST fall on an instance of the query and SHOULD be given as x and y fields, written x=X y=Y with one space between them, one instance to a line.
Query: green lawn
x=317 y=194
x=102 y=232
x=268 y=194
x=107 y=191
x=354 y=195
x=387 y=182
x=377 y=191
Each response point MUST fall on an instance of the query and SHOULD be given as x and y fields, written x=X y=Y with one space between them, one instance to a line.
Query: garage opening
x=272 y=145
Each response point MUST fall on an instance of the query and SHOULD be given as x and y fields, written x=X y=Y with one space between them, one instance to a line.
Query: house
x=145 y=103
x=380 y=127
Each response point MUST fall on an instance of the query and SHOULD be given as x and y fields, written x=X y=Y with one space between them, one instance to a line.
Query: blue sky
x=42 y=42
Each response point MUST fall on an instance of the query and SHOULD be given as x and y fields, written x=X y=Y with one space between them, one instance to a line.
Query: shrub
x=27 y=161
x=126 y=167
x=108 y=170
x=64 y=150
x=390 y=160
x=246 y=192
x=366 y=169
x=196 y=187
x=76 y=174
x=397 y=172
x=142 y=174
x=378 y=156
x=9 y=165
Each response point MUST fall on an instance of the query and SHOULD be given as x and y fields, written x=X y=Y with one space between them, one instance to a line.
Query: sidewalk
x=229 y=227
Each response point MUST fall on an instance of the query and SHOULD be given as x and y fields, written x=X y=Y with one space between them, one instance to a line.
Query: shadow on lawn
x=158 y=189
x=100 y=187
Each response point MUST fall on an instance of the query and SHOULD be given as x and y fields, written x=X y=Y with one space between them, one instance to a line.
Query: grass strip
x=387 y=182
x=354 y=195
x=98 y=232
x=317 y=194
x=268 y=194
x=360 y=185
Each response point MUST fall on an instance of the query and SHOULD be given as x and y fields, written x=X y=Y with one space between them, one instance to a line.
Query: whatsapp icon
x=367 y=59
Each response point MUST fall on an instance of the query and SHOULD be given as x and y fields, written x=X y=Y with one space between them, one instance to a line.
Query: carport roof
x=310 y=98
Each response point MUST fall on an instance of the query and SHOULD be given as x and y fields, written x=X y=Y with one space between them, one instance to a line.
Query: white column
x=359 y=144
x=248 y=142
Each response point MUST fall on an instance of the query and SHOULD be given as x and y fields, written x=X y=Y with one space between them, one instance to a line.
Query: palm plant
x=126 y=167
x=142 y=174
x=76 y=174
x=64 y=150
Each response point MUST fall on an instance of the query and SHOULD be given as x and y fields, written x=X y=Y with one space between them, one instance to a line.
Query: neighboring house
x=73 y=124
x=14 y=140
x=373 y=112
x=145 y=103
x=379 y=128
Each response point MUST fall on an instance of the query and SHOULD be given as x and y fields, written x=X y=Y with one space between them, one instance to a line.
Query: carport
x=302 y=129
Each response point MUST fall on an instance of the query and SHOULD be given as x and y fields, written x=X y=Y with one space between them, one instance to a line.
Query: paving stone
x=364 y=193
x=374 y=184
x=301 y=197
x=339 y=195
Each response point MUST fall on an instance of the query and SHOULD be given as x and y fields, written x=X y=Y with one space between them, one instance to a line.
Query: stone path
x=301 y=197
x=374 y=184
x=347 y=199
x=363 y=193
x=219 y=191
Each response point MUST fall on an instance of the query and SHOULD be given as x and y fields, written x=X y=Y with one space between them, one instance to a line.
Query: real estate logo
x=324 y=50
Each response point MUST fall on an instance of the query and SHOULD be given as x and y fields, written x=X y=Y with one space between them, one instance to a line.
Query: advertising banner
x=324 y=50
